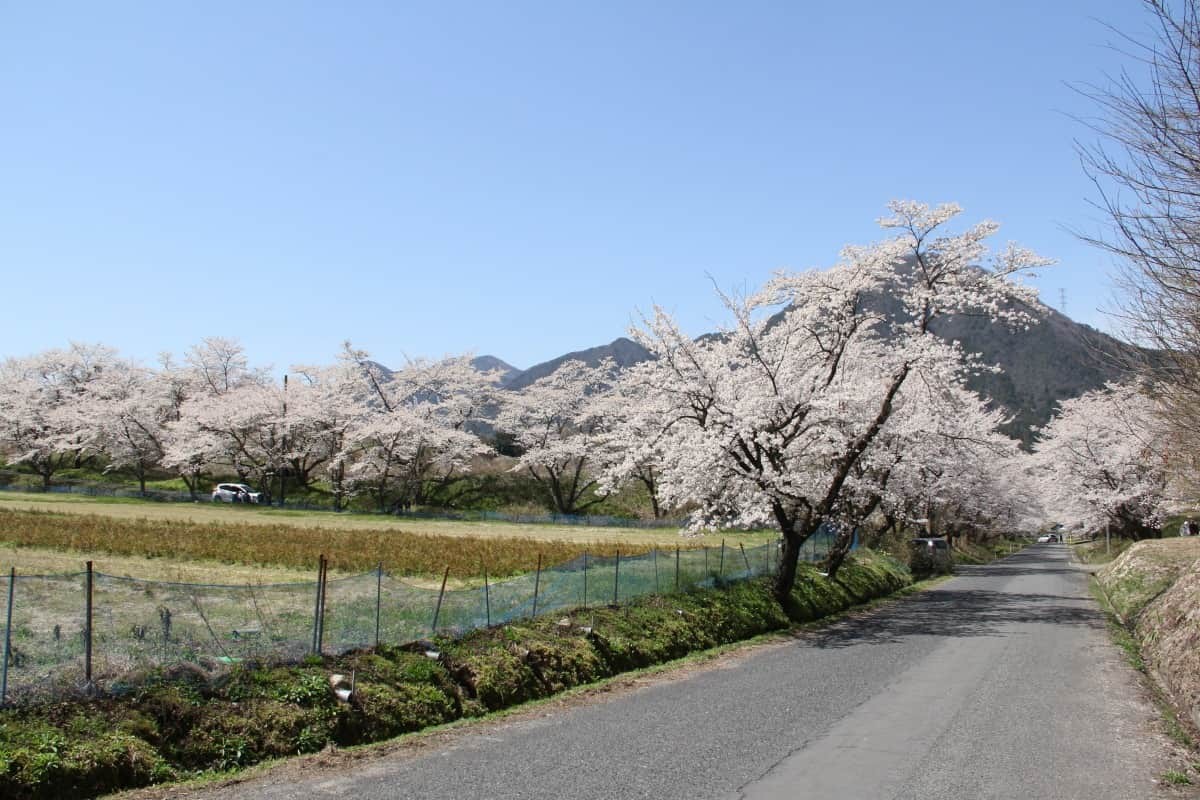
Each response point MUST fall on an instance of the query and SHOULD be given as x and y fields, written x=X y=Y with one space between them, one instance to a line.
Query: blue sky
x=510 y=178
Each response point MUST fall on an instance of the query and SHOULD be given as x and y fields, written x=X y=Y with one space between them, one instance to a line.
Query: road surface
x=1001 y=683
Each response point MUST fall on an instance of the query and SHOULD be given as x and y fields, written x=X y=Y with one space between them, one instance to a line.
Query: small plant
x=1176 y=778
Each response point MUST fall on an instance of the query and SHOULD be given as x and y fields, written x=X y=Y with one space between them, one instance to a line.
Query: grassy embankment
x=1152 y=589
x=184 y=721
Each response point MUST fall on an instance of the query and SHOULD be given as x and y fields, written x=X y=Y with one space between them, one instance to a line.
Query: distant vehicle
x=235 y=493
x=928 y=555
x=1048 y=537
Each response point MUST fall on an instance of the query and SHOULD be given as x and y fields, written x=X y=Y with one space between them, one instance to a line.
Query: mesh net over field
x=139 y=625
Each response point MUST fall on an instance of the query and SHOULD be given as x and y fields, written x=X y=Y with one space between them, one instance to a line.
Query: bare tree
x=1146 y=168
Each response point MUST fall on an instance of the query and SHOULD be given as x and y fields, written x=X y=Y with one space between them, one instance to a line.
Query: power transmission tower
x=1062 y=300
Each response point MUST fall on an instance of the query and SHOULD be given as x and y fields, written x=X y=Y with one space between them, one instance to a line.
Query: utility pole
x=283 y=448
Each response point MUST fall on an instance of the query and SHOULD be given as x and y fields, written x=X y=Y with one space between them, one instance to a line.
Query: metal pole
x=706 y=572
x=617 y=577
x=585 y=566
x=317 y=604
x=655 y=553
x=745 y=558
x=321 y=622
x=12 y=579
x=283 y=466
x=378 y=599
x=721 y=567
x=87 y=646
x=537 y=583
x=677 y=569
x=487 y=599
x=437 y=611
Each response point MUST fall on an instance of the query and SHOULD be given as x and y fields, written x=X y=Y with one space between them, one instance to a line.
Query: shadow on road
x=976 y=605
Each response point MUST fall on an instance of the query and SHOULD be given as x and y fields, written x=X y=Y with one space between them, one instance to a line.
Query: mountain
x=491 y=363
x=624 y=352
x=1055 y=359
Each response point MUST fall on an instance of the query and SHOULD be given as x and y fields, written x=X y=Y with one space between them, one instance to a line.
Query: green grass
x=1120 y=635
x=1098 y=552
x=1176 y=778
x=188 y=720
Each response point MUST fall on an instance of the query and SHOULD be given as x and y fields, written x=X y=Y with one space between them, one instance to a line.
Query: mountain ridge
x=1054 y=360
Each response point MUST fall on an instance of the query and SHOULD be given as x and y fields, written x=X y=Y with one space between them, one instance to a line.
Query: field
x=206 y=512
x=171 y=589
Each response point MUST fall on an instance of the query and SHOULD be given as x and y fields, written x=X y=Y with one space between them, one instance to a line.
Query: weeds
x=1176 y=778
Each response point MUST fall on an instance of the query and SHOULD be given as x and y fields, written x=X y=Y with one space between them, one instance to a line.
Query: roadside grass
x=985 y=552
x=1176 y=778
x=1096 y=552
x=186 y=721
x=1144 y=571
x=1172 y=726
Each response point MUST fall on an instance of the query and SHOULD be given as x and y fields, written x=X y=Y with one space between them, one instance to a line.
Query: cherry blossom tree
x=416 y=431
x=630 y=445
x=559 y=423
x=769 y=420
x=43 y=405
x=946 y=464
x=1103 y=459
x=229 y=417
x=128 y=408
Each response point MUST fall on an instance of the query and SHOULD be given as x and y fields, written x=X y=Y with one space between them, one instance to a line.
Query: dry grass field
x=204 y=542
x=206 y=512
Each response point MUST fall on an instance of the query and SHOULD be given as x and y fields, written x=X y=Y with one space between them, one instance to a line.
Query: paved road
x=1001 y=683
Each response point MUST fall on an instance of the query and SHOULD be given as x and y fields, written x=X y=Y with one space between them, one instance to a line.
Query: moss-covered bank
x=186 y=720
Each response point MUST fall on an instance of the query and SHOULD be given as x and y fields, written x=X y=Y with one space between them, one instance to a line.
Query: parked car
x=1048 y=537
x=235 y=493
x=928 y=555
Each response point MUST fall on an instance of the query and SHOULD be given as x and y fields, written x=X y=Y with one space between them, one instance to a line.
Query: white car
x=1048 y=537
x=235 y=493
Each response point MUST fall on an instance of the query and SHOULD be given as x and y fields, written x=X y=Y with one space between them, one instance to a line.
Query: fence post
x=487 y=599
x=585 y=566
x=655 y=553
x=537 y=583
x=746 y=558
x=677 y=568
x=617 y=577
x=378 y=599
x=321 y=619
x=317 y=604
x=12 y=579
x=87 y=629
x=437 y=611
x=721 y=567
x=706 y=570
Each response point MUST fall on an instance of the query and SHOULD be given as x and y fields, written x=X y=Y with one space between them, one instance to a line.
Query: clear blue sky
x=511 y=178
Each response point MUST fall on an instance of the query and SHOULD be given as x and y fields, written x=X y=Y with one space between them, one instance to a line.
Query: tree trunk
x=789 y=558
x=839 y=551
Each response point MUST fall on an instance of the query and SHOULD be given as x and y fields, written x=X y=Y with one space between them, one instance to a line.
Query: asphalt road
x=1001 y=683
